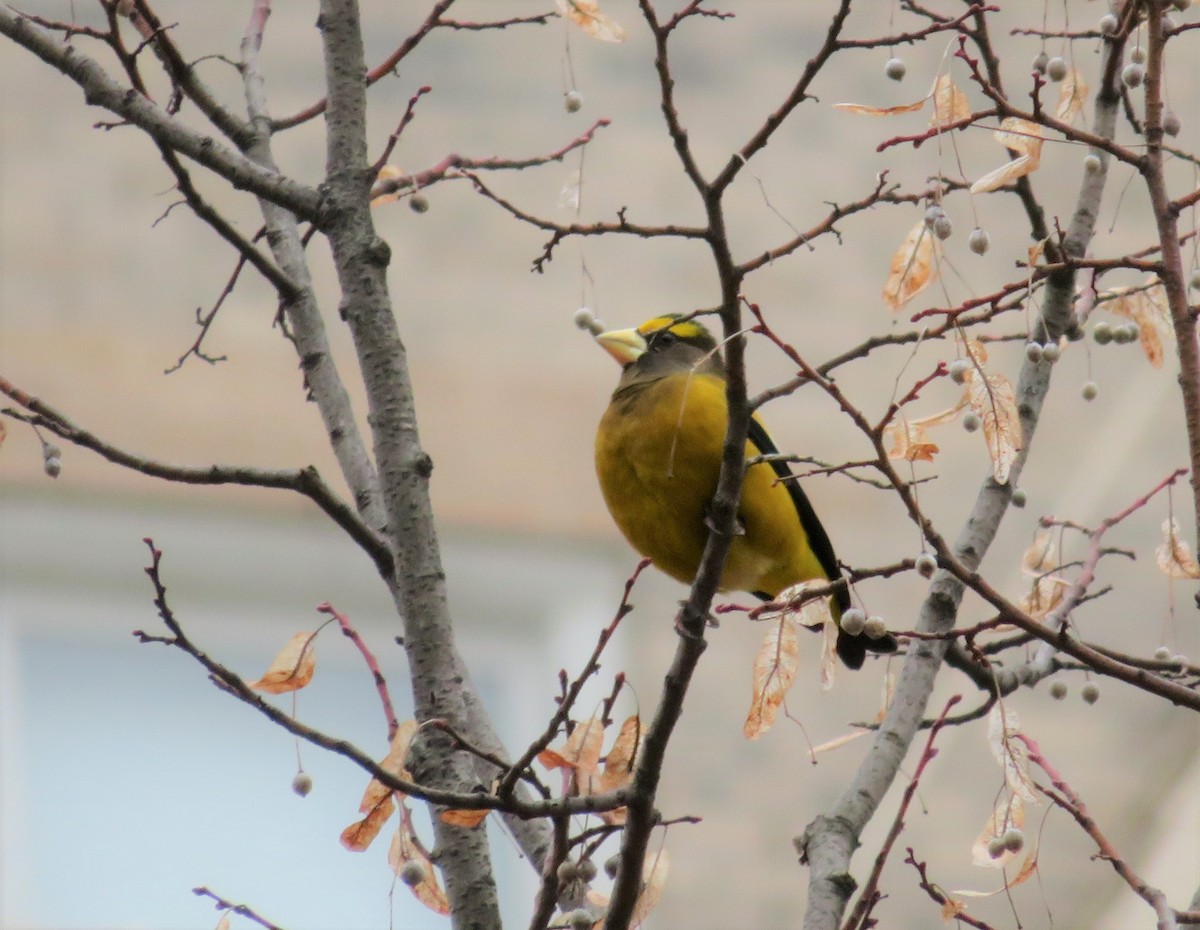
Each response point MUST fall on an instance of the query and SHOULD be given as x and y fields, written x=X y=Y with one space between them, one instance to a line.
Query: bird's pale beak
x=625 y=345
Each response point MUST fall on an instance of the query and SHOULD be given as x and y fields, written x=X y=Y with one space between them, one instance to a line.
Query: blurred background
x=126 y=779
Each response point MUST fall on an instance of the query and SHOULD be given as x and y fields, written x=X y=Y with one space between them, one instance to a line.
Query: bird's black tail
x=852 y=650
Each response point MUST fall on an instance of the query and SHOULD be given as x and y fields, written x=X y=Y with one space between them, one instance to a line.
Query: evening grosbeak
x=658 y=456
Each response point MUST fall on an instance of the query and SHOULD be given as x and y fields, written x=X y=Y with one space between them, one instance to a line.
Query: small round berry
x=585 y=319
x=1089 y=390
x=853 y=621
x=875 y=628
x=1133 y=75
x=1181 y=660
x=1014 y=840
x=895 y=69
x=1057 y=68
x=1137 y=55
x=933 y=214
x=1194 y=281
x=302 y=784
x=51 y=451
x=1171 y=123
x=1092 y=164
x=1103 y=333
x=587 y=869
x=1109 y=24
x=942 y=227
x=581 y=919
x=1051 y=352
x=995 y=847
x=1058 y=690
x=1162 y=654
x=1168 y=23
x=958 y=370
x=978 y=241
x=1132 y=333
x=1033 y=351
x=567 y=872
x=1019 y=498
x=1090 y=693
x=573 y=101
x=418 y=203
x=611 y=864
x=926 y=565
x=971 y=421
x=1182 y=5
x=1040 y=62
x=52 y=466
x=412 y=873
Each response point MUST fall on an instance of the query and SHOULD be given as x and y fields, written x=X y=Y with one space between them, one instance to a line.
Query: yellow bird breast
x=658 y=456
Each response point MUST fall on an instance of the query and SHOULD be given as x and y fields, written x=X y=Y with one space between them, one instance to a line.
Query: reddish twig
x=952 y=905
x=233 y=684
x=385 y=697
x=508 y=782
x=409 y=112
x=241 y=910
x=870 y=894
x=1066 y=798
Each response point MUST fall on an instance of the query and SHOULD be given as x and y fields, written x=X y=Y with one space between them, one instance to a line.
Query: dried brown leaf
x=654 y=877
x=910 y=438
x=862 y=109
x=1042 y=555
x=428 y=891
x=811 y=614
x=1008 y=813
x=1010 y=752
x=774 y=671
x=1045 y=593
x=464 y=818
x=1174 y=555
x=1072 y=95
x=358 y=836
x=583 y=746
x=951 y=908
x=913 y=267
x=618 y=764
x=839 y=741
x=1146 y=305
x=1022 y=137
x=387 y=173
x=949 y=103
x=292 y=668
x=552 y=759
x=586 y=14
x=829 y=639
x=393 y=763
x=995 y=403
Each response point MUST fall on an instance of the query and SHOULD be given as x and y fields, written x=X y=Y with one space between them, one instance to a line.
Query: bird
x=658 y=457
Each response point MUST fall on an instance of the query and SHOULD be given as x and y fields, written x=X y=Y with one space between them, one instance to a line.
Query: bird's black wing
x=818 y=541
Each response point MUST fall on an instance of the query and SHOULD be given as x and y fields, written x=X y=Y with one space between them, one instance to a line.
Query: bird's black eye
x=663 y=338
